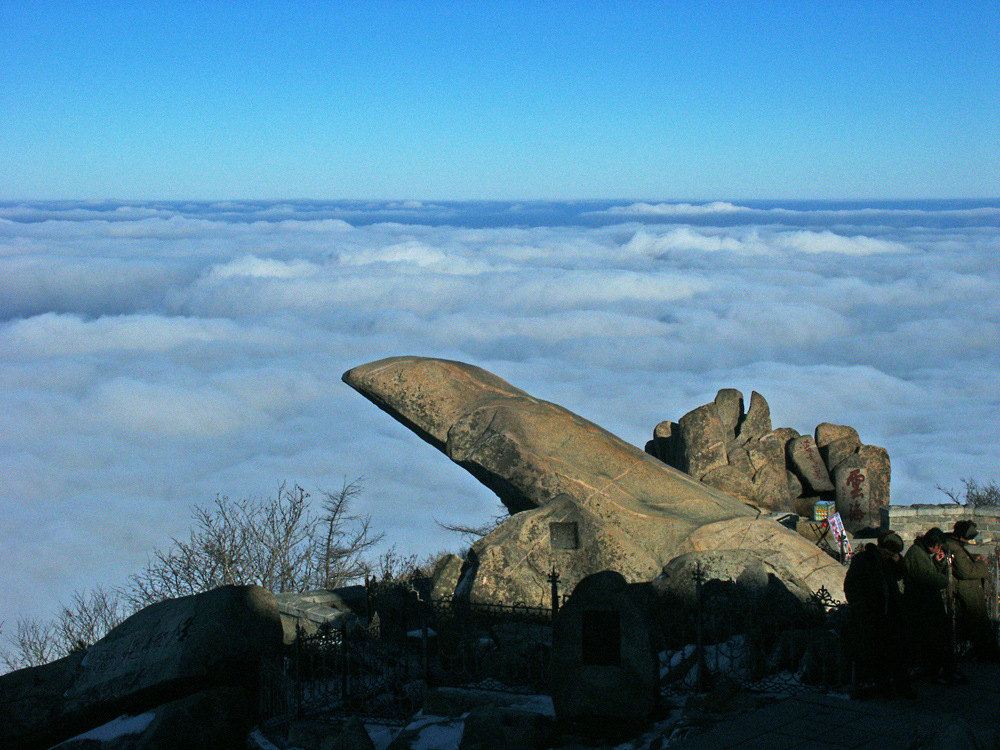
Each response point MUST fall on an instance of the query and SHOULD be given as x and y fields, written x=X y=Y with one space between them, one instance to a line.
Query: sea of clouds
x=156 y=354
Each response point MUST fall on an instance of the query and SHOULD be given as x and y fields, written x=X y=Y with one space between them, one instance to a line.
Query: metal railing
x=767 y=641
x=379 y=664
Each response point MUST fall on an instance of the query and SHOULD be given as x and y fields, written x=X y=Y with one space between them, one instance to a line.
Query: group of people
x=908 y=612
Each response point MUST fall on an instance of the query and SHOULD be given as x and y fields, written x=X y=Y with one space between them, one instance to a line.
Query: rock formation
x=582 y=499
x=777 y=469
x=196 y=655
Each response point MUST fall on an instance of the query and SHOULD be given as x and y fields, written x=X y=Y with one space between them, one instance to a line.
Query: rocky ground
x=727 y=717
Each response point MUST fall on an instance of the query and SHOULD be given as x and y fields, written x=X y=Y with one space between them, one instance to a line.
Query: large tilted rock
x=702 y=441
x=584 y=500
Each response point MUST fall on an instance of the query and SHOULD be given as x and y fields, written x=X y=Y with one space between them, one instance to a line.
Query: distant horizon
x=474 y=199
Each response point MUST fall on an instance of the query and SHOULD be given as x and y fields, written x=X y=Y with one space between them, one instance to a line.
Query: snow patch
x=122 y=726
x=259 y=741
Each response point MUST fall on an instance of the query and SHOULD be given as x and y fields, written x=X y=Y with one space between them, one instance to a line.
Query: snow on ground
x=436 y=732
x=120 y=727
x=258 y=741
x=381 y=734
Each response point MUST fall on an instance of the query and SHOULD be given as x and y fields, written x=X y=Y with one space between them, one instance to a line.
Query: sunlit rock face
x=583 y=499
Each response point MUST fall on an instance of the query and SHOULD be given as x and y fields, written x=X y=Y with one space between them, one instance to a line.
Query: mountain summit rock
x=582 y=499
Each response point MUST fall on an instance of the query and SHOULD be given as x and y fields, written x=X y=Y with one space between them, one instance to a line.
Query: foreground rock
x=214 y=719
x=776 y=469
x=583 y=499
x=165 y=652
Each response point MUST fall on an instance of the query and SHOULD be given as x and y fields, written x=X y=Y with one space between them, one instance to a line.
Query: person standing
x=970 y=572
x=925 y=582
x=875 y=619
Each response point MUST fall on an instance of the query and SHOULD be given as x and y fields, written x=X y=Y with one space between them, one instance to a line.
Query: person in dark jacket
x=970 y=572
x=875 y=619
x=925 y=582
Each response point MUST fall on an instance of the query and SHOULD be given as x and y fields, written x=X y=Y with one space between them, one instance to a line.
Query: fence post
x=425 y=614
x=703 y=678
x=949 y=600
x=554 y=580
x=297 y=696
x=345 y=663
x=996 y=583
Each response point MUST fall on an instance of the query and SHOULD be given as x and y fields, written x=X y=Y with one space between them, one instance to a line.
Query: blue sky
x=509 y=100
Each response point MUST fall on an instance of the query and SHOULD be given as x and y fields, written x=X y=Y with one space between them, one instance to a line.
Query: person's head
x=890 y=543
x=933 y=539
x=966 y=530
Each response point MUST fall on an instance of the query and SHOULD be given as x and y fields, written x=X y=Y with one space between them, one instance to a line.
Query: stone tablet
x=838 y=450
x=854 y=501
x=604 y=663
x=808 y=464
x=309 y=611
x=876 y=461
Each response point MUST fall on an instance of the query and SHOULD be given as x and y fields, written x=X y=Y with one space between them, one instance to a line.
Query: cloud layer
x=156 y=354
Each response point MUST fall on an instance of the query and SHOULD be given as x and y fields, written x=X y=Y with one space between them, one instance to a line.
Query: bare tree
x=32 y=643
x=278 y=543
x=88 y=617
x=975 y=494
x=80 y=623
x=347 y=538
x=391 y=567
x=471 y=533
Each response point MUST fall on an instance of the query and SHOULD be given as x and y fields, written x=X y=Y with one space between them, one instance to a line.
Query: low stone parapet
x=909 y=521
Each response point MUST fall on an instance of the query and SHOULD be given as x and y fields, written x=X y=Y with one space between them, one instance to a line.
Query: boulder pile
x=740 y=453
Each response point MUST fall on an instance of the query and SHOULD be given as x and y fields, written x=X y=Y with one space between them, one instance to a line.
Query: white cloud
x=52 y=334
x=682 y=238
x=829 y=242
x=673 y=209
x=756 y=241
x=252 y=267
x=154 y=355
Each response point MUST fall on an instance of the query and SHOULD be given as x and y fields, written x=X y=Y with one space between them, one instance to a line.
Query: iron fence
x=993 y=587
x=379 y=665
x=767 y=641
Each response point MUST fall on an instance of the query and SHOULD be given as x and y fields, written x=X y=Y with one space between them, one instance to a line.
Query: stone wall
x=910 y=521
